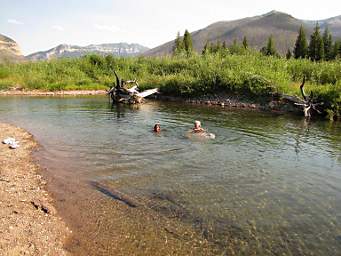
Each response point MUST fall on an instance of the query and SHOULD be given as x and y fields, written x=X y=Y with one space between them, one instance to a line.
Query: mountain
x=9 y=50
x=66 y=50
x=282 y=26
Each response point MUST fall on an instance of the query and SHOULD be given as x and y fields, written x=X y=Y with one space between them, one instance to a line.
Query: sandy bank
x=29 y=224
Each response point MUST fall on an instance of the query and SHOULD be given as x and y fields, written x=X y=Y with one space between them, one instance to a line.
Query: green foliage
x=178 y=46
x=316 y=46
x=251 y=75
x=188 y=44
x=237 y=49
x=301 y=45
x=288 y=55
x=336 y=53
x=184 y=46
x=217 y=48
x=327 y=44
x=245 y=43
x=270 y=49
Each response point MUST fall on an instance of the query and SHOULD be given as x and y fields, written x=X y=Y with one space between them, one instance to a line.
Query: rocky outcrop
x=9 y=50
x=8 y=44
x=69 y=51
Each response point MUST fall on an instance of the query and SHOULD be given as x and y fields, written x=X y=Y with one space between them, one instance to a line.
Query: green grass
x=251 y=74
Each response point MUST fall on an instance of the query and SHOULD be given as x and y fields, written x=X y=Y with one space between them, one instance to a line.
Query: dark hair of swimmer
x=157 y=128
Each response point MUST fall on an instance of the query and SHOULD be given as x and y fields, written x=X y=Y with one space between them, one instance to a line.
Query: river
x=268 y=184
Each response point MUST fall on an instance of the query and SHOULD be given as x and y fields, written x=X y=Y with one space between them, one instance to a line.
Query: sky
x=43 y=24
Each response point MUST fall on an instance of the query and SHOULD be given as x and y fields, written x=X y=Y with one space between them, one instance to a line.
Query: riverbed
x=268 y=184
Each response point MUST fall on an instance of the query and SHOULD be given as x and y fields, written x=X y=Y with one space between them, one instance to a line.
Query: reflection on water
x=267 y=184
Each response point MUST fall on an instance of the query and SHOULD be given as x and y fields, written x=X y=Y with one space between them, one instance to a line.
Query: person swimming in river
x=201 y=132
x=157 y=128
x=197 y=127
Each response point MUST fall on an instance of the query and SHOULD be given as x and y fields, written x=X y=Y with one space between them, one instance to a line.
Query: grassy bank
x=252 y=75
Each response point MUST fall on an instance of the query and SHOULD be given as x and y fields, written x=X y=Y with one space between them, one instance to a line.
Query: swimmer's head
x=157 y=127
x=197 y=124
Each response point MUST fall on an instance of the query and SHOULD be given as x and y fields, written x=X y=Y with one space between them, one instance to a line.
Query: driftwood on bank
x=121 y=93
x=308 y=104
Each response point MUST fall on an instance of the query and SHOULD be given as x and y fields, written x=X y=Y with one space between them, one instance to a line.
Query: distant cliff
x=9 y=50
x=66 y=50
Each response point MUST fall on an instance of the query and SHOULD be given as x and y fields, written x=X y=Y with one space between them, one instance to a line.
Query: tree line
x=320 y=46
x=184 y=45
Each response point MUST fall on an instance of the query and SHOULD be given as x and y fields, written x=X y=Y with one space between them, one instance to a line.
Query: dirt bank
x=52 y=93
x=29 y=224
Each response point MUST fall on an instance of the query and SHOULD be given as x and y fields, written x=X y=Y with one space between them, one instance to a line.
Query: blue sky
x=40 y=25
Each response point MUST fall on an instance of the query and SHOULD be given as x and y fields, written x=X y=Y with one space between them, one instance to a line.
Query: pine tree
x=289 y=54
x=328 y=44
x=206 y=49
x=270 y=47
x=336 y=50
x=178 y=45
x=301 y=45
x=245 y=43
x=234 y=47
x=224 y=45
x=188 y=44
x=316 y=47
x=219 y=46
x=263 y=50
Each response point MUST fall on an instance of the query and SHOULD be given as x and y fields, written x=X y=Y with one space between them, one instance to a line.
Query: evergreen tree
x=245 y=43
x=270 y=48
x=178 y=45
x=263 y=50
x=234 y=48
x=336 y=53
x=207 y=48
x=289 y=54
x=224 y=45
x=188 y=44
x=301 y=45
x=316 y=47
x=219 y=46
x=328 y=44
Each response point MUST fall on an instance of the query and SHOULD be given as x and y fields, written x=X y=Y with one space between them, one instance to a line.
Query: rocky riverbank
x=277 y=103
x=29 y=224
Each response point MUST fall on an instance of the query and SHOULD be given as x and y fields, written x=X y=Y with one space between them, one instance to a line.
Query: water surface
x=268 y=184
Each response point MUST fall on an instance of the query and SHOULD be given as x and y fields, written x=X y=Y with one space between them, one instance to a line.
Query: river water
x=267 y=184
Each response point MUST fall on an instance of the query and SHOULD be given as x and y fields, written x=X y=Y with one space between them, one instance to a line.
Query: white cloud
x=14 y=21
x=111 y=28
x=57 y=27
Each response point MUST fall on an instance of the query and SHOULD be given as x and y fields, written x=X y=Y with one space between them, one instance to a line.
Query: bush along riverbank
x=251 y=76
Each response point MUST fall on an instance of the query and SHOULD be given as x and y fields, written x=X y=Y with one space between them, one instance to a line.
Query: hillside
x=257 y=29
x=66 y=50
x=9 y=50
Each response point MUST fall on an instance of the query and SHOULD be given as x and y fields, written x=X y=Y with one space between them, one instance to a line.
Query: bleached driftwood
x=308 y=104
x=121 y=94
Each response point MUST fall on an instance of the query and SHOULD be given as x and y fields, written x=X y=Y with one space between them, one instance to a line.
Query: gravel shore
x=29 y=224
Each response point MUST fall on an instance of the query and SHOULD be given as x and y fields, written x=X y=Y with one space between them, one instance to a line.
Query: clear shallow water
x=267 y=184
